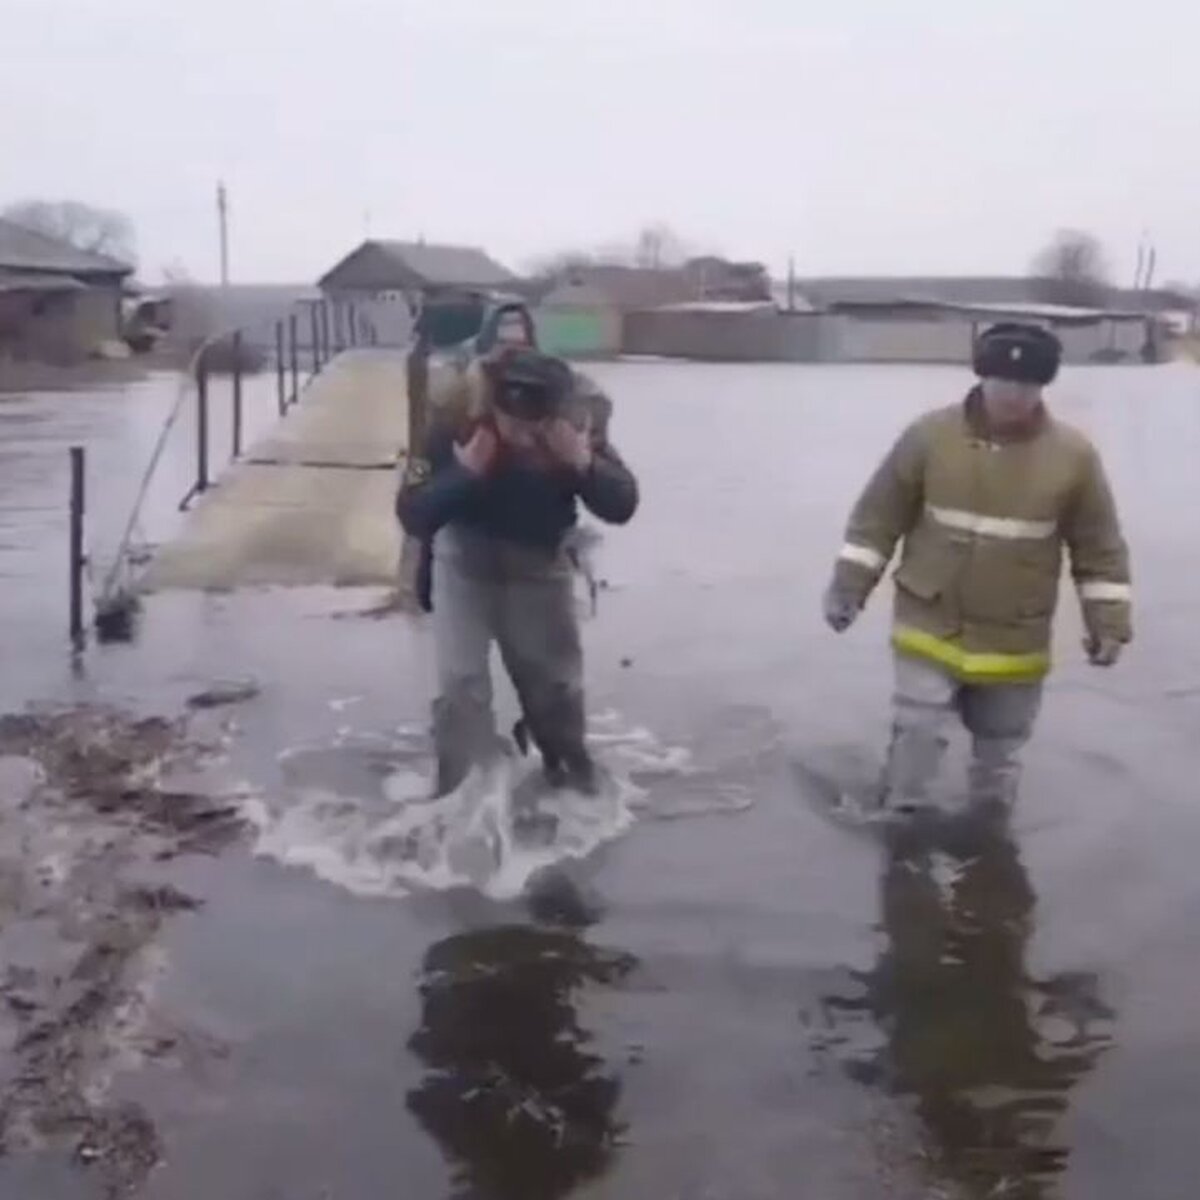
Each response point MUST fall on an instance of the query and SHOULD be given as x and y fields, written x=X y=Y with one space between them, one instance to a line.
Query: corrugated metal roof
x=451 y=266
x=1060 y=314
x=967 y=289
x=378 y=263
x=1063 y=312
x=34 y=281
x=27 y=250
x=722 y=306
x=1021 y=291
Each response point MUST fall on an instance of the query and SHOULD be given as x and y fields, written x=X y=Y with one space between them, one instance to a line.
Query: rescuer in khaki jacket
x=985 y=496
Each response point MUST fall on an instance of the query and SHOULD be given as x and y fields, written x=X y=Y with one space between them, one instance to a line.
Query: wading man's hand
x=479 y=453
x=568 y=445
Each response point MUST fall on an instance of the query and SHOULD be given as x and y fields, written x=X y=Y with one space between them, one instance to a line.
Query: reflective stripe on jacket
x=984 y=523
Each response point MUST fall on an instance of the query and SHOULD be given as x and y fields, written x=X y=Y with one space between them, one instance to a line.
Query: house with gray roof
x=57 y=303
x=414 y=267
x=389 y=280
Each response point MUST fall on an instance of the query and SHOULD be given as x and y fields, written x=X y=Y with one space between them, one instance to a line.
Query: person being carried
x=509 y=454
x=985 y=495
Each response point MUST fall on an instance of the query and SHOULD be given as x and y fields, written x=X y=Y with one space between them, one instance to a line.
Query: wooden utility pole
x=223 y=222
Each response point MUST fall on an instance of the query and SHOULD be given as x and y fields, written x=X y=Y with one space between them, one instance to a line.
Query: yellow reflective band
x=864 y=556
x=1007 y=528
x=968 y=665
x=1097 y=589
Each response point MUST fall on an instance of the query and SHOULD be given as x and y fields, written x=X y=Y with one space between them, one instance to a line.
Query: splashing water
x=357 y=812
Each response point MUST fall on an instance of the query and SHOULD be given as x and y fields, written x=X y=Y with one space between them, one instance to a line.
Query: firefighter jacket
x=984 y=523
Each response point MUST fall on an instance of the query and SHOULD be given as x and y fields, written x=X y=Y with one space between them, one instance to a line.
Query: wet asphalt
x=750 y=1005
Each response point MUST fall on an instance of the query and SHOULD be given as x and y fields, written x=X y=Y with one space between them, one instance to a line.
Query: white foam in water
x=381 y=835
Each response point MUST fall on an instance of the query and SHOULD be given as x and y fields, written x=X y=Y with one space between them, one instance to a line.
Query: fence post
x=312 y=330
x=352 y=320
x=337 y=328
x=280 y=386
x=237 y=394
x=325 y=330
x=202 y=422
x=295 y=359
x=76 y=549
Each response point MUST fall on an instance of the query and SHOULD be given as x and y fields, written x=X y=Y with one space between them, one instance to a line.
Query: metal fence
x=297 y=348
x=304 y=342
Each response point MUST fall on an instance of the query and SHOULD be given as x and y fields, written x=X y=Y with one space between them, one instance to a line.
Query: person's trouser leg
x=1000 y=719
x=464 y=730
x=924 y=706
x=540 y=643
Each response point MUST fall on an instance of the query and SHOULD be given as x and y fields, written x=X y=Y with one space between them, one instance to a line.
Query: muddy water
x=728 y=998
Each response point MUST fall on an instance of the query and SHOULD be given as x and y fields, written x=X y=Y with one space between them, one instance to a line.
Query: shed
x=57 y=303
x=413 y=268
x=388 y=280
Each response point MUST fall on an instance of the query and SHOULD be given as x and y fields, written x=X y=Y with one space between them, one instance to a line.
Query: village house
x=388 y=280
x=58 y=304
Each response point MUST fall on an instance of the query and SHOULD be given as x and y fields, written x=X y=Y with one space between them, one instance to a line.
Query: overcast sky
x=862 y=137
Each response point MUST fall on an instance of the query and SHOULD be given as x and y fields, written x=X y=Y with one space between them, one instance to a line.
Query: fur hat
x=1017 y=351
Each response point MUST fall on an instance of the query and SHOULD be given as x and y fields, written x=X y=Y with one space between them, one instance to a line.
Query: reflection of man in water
x=988 y=1054
x=513 y=1093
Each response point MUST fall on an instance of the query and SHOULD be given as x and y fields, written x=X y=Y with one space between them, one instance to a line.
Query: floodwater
x=732 y=998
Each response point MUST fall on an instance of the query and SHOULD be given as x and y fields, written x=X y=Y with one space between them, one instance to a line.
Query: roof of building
x=723 y=307
x=967 y=289
x=977 y=290
x=402 y=265
x=38 y=281
x=24 y=249
x=1056 y=314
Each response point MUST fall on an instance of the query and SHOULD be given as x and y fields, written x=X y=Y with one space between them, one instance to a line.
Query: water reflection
x=987 y=1054
x=515 y=1092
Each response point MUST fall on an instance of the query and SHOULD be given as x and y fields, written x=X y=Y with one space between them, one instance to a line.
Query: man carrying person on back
x=985 y=495
x=515 y=440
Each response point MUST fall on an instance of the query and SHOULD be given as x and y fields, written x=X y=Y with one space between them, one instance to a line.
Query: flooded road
x=734 y=994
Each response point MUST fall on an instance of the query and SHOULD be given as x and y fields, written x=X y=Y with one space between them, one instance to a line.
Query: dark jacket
x=534 y=508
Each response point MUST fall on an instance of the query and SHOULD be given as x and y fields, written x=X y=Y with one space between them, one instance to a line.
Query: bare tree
x=1073 y=269
x=98 y=230
x=658 y=245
